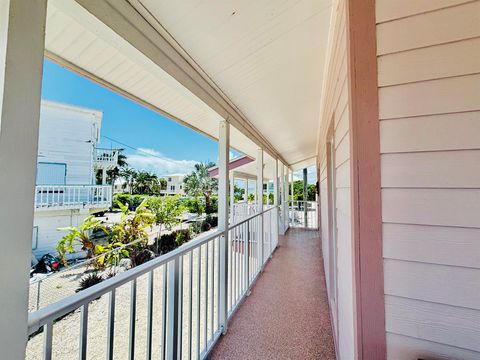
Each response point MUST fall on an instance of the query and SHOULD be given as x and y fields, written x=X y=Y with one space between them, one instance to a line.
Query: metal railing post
x=247 y=260
x=173 y=288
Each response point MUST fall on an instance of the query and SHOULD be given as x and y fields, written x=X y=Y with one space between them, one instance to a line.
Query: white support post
x=245 y=191
x=223 y=160
x=259 y=192
x=275 y=200
x=291 y=191
x=232 y=198
x=286 y=207
x=22 y=36
x=282 y=197
x=104 y=176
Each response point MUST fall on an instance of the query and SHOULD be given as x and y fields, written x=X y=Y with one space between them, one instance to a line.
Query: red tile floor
x=286 y=316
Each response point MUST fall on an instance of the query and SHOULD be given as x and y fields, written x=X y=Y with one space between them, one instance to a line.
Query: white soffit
x=78 y=40
x=266 y=56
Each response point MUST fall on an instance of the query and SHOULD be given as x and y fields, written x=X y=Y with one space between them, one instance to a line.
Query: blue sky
x=165 y=146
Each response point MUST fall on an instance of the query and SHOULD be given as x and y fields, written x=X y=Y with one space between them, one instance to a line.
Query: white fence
x=58 y=197
x=303 y=214
x=176 y=305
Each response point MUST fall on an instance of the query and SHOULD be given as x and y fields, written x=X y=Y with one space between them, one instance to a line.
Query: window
x=169 y=179
x=172 y=188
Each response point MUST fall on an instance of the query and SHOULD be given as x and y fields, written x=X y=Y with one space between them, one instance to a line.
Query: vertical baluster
x=133 y=314
x=246 y=253
x=111 y=325
x=230 y=267
x=149 y=314
x=234 y=266
x=190 y=335
x=83 y=332
x=205 y=297
x=199 y=278
x=179 y=302
x=47 y=340
x=212 y=272
x=218 y=239
x=164 y=313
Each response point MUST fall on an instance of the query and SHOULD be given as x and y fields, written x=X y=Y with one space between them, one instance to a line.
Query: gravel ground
x=66 y=330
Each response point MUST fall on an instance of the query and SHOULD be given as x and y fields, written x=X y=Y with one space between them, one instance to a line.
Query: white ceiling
x=266 y=56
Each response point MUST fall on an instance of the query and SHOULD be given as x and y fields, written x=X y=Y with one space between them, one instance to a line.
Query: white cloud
x=154 y=161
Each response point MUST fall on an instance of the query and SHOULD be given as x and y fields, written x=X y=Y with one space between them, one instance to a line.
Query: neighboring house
x=174 y=185
x=65 y=191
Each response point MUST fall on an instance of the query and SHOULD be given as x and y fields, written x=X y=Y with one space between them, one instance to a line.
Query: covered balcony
x=381 y=97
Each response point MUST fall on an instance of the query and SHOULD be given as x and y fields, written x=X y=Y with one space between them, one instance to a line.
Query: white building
x=65 y=190
x=174 y=185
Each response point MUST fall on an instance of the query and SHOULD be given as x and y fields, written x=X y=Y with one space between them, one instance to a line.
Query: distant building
x=65 y=192
x=174 y=185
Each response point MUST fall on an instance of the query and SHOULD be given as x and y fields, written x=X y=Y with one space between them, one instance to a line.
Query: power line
x=134 y=148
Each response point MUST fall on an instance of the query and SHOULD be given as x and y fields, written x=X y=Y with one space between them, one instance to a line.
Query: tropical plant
x=199 y=183
x=238 y=193
x=139 y=256
x=133 y=224
x=81 y=236
x=89 y=280
x=298 y=191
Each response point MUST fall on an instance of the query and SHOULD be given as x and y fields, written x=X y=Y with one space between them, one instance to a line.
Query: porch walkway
x=286 y=316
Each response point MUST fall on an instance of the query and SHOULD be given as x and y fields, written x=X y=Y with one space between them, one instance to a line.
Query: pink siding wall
x=335 y=113
x=429 y=106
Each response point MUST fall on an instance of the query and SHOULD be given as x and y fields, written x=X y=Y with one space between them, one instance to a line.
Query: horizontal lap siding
x=335 y=112
x=429 y=108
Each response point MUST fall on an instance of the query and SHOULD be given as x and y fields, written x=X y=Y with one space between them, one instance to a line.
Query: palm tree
x=129 y=175
x=121 y=163
x=144 y=182
x=199 y=183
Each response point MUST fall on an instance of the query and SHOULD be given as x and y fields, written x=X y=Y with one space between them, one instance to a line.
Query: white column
x=259 y=192
x=223 y=160
x=104 y=176
x=287 y=177
x=245 y=190
x=22 y=35
x=282 y=195
x=275 y=184
x=291 y=191
x=232 y=198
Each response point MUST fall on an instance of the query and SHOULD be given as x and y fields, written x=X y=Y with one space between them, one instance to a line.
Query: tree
x=114 y=173
x=129 y=175
x=144 y=183
x=238 y=193
x=199 y=183
x=167 y=211
x=298 y=191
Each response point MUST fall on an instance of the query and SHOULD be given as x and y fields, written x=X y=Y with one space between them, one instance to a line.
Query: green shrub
x=183 y=236
x=212 y=220
x=194 y=206
x=139 y=256
x=89 y=280
x=213 y=206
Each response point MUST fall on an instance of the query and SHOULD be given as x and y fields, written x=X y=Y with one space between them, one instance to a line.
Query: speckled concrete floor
x=286 y=316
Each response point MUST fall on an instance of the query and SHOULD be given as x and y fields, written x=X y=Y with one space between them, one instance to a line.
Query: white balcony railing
x=58 y=197
x=243 y=210
x=177 y=303
x=303 y=214
x=106 y=157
